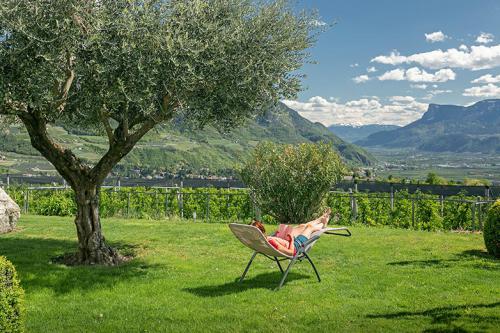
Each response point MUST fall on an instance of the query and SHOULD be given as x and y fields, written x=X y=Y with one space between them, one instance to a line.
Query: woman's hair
x=259 y=225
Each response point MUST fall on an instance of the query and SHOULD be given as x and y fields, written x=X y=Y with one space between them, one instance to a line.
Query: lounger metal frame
x=302 y=252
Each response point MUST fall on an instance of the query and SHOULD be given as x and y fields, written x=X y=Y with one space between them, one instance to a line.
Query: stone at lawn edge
x=9 y=213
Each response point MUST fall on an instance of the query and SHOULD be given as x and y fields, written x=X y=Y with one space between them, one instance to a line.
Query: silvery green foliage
x=207 y=61
x=289 y=182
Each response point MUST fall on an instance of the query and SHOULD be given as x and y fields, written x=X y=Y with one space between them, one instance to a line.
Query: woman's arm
x=282 y=245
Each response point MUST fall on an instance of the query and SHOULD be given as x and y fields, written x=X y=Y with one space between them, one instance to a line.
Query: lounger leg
x=286 y=272
x=314 y=267
x=248 y=266
x=279 y=265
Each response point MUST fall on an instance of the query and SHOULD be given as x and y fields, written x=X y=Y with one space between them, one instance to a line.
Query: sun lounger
x=253 y=238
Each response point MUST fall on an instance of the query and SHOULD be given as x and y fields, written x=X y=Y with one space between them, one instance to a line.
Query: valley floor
x=183 y=280
x=404 y=163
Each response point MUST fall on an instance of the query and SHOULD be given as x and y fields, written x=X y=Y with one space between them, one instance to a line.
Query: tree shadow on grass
x=32 y=259
x=425 y=263
x=488 y=261
x=476 y=254
x=447 y=317
x=262 y=281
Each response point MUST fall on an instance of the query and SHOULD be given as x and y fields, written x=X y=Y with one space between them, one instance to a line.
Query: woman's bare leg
x=326 y=217
x=310 y=229
x=312 y=226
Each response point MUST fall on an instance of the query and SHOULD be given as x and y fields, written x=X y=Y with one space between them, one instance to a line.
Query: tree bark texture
x=92 y=248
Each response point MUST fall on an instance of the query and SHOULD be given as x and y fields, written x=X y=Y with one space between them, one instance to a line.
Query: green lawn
x=183 y=280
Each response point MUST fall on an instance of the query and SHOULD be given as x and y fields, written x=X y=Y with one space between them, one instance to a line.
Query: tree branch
x=65 y=87
x=125 y=141
x=125 y=126
x=109 y=131
x=12 y=108
x=66 y=163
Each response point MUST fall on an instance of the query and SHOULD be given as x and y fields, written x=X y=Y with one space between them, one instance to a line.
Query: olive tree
x=122 y=67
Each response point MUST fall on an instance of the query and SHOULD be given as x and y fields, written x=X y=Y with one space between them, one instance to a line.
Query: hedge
x=11 y=298
x=491 y=231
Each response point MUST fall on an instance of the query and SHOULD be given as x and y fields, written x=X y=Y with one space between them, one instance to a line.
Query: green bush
x=341 y=207
x=458 y=215
x=57 y=203
x=11 y=294
x=289 y=182
x=491 y=230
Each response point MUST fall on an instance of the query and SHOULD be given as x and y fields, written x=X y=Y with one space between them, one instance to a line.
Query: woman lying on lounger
x=294 y=237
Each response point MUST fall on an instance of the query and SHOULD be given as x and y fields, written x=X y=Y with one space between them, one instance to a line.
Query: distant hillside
x=352 y=133
x=169 y=148
x=452 y=128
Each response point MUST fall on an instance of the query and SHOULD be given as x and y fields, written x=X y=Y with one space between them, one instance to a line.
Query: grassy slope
x=168 y=147
x=379 y=280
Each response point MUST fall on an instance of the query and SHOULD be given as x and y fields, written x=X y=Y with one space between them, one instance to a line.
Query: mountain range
x=447 y=128
x=173 y=147
x=352 y=133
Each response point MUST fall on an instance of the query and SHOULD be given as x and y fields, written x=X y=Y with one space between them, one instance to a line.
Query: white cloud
x=433 y=93
x=397 y=74
x=419 y=86
x=402 y=99
x=478 y=57
x=399 y=110
x=416 y=74
x=463 y=47
x=361 y=79
x=394 y=58
x=371 y=69
x=485 y=38
x=438 y=92
x=489 y=90
x=488 y=78
x=437 y=36
x=354 y=65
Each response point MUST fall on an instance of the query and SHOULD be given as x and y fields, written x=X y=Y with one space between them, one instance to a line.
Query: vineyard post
x=181 y=202
x=8 y=181
x=25 y=201
x=354 y=206
x=392 y=198
x=473 y=212
x=250 y=196
x=486 y=192
x=441 y=201
x=256 y=209
x=479 y=213
x=128 y=204
x=156 y=204
x=207 y=214
x=413 y=212
x=166 y=202
x=227 y=206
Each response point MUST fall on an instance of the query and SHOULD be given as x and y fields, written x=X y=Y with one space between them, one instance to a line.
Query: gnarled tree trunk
x=85 y=181
x=92 y=248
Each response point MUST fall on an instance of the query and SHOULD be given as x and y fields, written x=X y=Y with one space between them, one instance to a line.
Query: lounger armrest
x=307 y=243
x=333 y=231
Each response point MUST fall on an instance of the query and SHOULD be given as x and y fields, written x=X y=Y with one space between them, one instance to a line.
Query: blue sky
x=384 y=61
